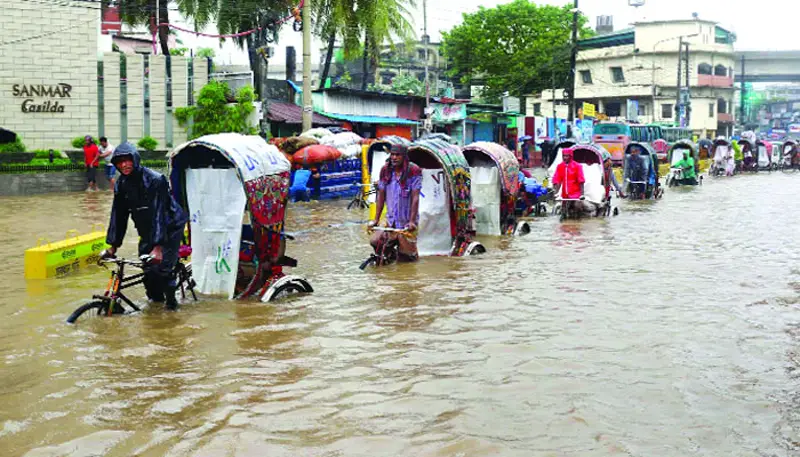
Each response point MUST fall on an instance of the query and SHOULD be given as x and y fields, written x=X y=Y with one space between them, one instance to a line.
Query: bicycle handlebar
x=143 y=260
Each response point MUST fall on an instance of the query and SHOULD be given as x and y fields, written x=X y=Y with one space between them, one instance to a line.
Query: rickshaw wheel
x=286 y=290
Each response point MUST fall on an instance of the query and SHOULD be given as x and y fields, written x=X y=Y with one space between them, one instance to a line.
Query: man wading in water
x=398 y=188
x=144 y=195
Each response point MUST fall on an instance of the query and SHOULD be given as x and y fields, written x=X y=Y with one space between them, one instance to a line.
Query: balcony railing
x=714 y=81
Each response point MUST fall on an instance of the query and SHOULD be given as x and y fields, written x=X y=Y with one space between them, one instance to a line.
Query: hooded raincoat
x=144 y=196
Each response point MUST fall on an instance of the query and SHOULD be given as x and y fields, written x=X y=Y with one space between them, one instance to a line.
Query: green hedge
x=16 y=146
x=44 y=166
x=16 y=157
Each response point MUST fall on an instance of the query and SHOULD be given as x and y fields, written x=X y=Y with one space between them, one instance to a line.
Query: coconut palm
x=143 y=12
x=382 y=21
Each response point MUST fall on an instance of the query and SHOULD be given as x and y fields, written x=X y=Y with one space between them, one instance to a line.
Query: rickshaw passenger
x=399 y=188
x=569 y=174
x=636 y=172
x=610 y=177
x=687 y=165
x=143 y=195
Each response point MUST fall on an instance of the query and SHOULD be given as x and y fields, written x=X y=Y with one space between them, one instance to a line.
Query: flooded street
x=671 y=330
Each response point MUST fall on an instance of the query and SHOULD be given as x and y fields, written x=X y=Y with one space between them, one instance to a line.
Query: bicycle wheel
x=99 y=305
x=286 y=290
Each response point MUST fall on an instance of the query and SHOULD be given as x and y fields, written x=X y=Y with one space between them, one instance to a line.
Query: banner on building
x=540 y=129
x=448 y=113
x=584 y=129
x=589 y=110
x=633 y=110
x=511 y=105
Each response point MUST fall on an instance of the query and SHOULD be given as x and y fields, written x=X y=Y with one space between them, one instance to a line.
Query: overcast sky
x=759 y=24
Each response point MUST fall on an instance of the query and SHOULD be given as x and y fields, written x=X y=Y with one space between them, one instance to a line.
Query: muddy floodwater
x=671 y=330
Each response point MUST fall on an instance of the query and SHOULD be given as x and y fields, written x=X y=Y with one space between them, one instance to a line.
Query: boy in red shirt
x=91 y=157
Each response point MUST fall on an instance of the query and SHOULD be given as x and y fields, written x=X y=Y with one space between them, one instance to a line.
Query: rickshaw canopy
x=683 y=145
x=249 y=154
x=505 y=160
x=456 y=171
x=204 y=174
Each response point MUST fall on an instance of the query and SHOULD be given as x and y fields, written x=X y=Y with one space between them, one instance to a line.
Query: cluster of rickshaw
x=748 y=155
x=236 y=188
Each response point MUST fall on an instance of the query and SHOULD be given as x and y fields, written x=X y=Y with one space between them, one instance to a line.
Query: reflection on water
x=672 y=329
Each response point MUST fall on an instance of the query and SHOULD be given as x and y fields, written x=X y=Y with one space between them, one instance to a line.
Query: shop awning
x=370 y=119
x=293 y=114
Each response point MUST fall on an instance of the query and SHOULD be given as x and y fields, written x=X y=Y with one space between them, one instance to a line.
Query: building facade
x=48 y=71
x=632 y=75
x=57 y=83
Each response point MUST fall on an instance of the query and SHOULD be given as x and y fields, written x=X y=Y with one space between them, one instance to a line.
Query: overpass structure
x=767 y=66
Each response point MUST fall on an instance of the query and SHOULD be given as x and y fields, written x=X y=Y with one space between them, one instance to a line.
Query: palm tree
x=332 y=19
x=235 y=16
x=382 y=21
x=374 y=21
x=143 y=12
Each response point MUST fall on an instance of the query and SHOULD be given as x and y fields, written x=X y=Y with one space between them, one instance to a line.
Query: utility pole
x=308 y=108
x=425 y=40
x=553 y=82
x=688 y=98
x=680 y=75
x=741 y=96
x=572 y=62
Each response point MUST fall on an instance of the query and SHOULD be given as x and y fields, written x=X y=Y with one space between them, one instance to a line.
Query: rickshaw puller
x=144 y=195
x=399 y=188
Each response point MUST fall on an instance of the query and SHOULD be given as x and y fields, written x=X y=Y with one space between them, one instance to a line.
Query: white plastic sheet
x=378 y=160
x=434 y=215
x=486 y=199
x=763 y=157
x=593 y=188
x=677 y=155
x=216 y=205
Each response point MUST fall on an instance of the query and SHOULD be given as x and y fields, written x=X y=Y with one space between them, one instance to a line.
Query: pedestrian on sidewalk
x=91 y=158
x=526 y=153
x=106 y=149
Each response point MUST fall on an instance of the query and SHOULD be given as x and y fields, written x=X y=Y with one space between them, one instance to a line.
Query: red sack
x=317 y=153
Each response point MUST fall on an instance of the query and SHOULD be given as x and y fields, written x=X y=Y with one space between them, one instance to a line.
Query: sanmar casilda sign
x=40 y=98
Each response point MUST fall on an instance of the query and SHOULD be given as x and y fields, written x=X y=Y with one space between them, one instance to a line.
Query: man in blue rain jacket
x=144 y=196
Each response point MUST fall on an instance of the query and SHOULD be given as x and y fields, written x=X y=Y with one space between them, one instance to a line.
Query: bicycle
x=360 y=199
x=387 y=250
x=113 y=301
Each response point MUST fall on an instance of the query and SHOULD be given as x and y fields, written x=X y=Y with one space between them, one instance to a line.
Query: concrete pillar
x=111 y=97
x=180 y=95
x=135 y=64
x=158 y=99
x=200 y=75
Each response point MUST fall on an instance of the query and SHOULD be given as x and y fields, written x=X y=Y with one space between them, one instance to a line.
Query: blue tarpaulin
x=370 y=119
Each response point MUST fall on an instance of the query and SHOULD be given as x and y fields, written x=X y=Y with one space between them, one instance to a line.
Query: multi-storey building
x=632 y=75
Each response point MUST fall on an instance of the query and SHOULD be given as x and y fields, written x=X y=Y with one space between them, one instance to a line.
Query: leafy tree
x=402 y=84
x=207 y=53
x=213 y=114
x=519 y=47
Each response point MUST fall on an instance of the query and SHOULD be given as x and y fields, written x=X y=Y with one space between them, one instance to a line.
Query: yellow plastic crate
x=52 y=260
